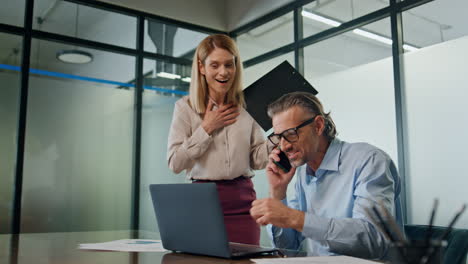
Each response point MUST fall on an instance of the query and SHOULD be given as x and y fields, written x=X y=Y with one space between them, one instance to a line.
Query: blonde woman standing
x=214 y=139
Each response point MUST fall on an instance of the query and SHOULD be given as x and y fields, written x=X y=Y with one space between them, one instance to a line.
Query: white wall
x=241 y=12
x=208 y=13
x=436 y=89
x=361 y=101
x=225 y=15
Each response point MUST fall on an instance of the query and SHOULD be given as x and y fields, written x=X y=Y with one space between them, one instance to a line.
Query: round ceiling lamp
x=74 y=56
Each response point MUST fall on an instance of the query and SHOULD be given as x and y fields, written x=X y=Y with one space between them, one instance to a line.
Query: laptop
x=190 y=220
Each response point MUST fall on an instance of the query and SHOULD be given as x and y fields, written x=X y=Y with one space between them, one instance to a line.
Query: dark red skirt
x=236 y=198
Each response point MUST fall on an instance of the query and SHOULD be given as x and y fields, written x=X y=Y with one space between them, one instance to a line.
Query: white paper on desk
x=128 y=245
x=315 y=260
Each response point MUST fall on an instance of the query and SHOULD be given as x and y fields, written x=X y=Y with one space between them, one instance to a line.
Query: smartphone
x=284 y=163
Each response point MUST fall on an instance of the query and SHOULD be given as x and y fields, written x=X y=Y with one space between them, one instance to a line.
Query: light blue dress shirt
x=351 y=177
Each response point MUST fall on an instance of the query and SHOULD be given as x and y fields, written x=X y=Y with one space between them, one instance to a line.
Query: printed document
x=128 y=245
x=315 y=260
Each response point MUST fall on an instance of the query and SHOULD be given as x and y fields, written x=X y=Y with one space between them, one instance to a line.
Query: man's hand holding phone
x=277 y=176
x=271 y=210
x=283 y=162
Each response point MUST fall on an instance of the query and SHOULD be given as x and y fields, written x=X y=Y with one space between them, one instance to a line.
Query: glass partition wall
x=384 y=80
x=94 y=108
x=87 y=139
x=79 y=138
x=9 y=106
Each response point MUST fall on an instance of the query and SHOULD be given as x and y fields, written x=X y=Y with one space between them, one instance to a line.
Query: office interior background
x=81 y=142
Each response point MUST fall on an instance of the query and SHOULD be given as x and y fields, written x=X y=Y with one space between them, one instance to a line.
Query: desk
x=62 y=248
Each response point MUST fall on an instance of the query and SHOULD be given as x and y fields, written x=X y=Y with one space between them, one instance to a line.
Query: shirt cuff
x=274 y=231
x=315 y=227
x=201 y=138
x=201 y=134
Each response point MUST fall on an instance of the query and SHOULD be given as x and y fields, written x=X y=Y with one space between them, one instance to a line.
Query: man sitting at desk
x=335 y=182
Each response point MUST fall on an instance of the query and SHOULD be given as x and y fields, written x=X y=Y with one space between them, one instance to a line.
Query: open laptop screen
x=190 y=219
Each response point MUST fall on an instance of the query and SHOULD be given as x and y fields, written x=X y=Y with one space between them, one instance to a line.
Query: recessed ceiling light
x=74 y=56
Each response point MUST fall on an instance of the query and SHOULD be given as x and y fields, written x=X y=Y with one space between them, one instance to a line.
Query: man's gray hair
x=308 y=102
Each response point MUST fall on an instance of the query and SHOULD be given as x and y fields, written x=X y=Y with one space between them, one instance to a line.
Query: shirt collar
x=331 y=160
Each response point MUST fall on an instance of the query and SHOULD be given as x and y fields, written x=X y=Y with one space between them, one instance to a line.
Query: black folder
x=281 y=80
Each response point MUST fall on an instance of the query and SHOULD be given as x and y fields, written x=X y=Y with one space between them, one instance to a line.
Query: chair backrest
x=457 y=241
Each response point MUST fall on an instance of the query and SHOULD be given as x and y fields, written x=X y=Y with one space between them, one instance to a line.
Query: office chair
x=457 y=241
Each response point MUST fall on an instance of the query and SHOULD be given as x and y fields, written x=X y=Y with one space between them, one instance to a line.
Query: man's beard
x=298 y=162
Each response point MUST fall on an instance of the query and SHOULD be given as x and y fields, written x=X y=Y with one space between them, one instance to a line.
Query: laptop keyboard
x=242 y=249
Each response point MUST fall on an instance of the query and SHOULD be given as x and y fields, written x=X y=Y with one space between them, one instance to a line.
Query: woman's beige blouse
x=228 y=153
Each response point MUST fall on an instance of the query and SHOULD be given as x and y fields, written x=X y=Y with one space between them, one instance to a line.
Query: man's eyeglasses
x=289 y=135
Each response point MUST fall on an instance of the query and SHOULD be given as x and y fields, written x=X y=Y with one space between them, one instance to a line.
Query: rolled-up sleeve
x=183 y=146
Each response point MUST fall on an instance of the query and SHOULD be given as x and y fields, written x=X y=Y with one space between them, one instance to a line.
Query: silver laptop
x=190 y=220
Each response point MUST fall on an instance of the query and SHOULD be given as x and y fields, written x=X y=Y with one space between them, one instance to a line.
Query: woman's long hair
x=198 y=93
